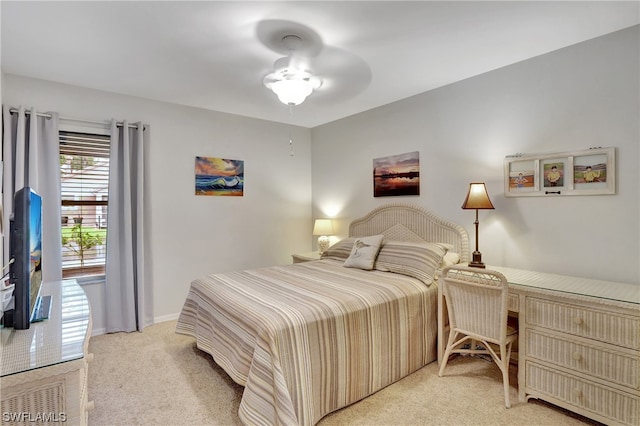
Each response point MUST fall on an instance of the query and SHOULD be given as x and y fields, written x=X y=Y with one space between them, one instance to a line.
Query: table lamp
x=323 y=228
x=477 y=198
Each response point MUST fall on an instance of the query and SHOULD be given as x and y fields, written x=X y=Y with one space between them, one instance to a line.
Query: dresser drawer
x=611 y=404
x=604 y=363
x=605 y=326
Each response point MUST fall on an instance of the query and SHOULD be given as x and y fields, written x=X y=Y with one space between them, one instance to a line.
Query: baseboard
x=156 y=320
x=163 y=318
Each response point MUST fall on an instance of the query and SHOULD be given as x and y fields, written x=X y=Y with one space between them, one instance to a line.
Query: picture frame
x=586 y=172
x=397 y=175
x=219 y=177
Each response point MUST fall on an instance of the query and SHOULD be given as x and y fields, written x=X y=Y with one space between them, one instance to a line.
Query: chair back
x=477 y=302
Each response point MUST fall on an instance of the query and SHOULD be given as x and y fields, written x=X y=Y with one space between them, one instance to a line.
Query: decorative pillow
x=447 y=247
x=340 y=250
x=418 y=260
x=449 y=259
x=364 y=252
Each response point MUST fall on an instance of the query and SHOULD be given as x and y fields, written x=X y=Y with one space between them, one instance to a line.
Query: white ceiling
x=214 y=54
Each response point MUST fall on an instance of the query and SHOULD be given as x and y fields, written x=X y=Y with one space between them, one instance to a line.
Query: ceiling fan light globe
x=292 y=92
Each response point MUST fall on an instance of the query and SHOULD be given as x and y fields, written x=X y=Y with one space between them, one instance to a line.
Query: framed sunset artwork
x=397 y=175
x=219 y=176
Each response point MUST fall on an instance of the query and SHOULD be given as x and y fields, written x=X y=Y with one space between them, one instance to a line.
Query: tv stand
x=44 y=368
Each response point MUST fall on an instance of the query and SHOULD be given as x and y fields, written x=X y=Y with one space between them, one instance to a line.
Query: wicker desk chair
x=477 y=304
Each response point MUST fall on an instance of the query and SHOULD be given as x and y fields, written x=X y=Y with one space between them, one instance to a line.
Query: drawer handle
x=576 y=356
x=577 y=320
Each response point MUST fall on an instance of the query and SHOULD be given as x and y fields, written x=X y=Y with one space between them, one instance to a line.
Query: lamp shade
x=477 y=197
x=323 y=227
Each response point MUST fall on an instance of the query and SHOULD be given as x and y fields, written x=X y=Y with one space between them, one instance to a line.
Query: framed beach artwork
x=586 y=172
x=397 y=175
x=219 y=176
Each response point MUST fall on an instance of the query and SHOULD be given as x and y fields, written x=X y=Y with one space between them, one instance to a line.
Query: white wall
x=190 y=236
x=575 y=98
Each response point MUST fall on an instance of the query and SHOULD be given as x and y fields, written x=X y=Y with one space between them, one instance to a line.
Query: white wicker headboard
x=407 y=222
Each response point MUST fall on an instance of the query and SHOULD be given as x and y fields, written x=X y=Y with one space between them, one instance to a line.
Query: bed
x=309 y=338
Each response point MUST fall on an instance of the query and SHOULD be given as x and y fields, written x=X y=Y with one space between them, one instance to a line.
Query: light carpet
x=158 y=377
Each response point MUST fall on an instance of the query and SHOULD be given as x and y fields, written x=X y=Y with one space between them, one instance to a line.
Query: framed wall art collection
x=587 y=172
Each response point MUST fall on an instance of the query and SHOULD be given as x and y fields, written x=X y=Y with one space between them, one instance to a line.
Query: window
x=84 y=176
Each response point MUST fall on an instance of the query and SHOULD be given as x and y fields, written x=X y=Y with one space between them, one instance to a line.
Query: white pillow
x=340 y=250
x=364 y=252
x=450 y=259
x=418 y=260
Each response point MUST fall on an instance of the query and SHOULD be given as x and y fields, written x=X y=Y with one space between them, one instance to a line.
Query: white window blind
x=84 y=176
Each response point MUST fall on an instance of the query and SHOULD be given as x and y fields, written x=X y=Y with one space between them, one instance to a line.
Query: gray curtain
x=30 y=142
x=128 y=297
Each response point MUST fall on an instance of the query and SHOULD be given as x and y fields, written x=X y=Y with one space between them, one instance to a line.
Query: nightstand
x=305 y=257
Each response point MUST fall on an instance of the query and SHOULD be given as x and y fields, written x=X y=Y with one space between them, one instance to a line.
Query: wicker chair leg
x=447 y=352
x=505 y=354
x=505 y=379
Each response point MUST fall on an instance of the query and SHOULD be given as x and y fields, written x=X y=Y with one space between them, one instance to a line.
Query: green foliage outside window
x=80 y=240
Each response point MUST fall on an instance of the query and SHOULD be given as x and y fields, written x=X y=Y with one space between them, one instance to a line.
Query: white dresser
x=579 y=343
x=44 y=368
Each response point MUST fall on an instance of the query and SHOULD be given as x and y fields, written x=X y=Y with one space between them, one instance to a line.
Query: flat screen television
x=26 y=253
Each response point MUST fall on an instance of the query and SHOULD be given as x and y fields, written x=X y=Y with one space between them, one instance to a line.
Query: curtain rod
x=78 y=120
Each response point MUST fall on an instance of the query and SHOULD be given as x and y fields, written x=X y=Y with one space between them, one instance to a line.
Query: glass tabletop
x=55 y=340
x=611 y=290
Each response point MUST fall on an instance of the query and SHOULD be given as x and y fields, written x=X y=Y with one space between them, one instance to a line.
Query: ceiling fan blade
x=343 y=74
x=271 y=33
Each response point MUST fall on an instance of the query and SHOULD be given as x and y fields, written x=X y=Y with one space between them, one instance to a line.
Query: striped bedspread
x=309 y=338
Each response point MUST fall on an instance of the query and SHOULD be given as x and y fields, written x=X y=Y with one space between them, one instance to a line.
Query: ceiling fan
x=291 y=78
x=309 y=65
